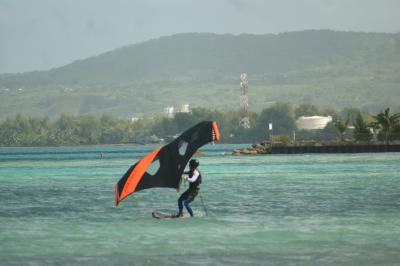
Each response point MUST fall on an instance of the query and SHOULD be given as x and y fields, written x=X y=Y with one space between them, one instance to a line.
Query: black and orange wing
x=163 y=167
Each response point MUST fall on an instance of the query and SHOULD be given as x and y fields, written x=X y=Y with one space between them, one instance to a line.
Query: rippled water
x=320 y=209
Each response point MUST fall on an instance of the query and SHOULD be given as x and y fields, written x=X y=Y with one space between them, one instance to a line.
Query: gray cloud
x=239 y=4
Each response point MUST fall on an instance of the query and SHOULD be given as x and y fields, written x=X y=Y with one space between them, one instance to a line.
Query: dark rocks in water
x=258 y=148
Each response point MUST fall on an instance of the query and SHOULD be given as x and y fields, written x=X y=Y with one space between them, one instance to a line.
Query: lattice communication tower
x=244 y=120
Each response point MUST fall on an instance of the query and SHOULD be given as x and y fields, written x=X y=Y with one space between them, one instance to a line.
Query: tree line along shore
x=349 y=125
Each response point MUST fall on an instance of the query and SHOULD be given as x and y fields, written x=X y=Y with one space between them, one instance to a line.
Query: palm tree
x=341 y=127
x=361 y=131
x=386 y=122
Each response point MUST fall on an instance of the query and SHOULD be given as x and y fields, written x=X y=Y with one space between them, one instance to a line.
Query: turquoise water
x=321 y=209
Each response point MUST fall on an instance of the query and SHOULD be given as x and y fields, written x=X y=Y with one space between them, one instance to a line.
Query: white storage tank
x=312 y=122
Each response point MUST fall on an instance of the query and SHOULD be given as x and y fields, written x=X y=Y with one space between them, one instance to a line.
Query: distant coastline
x=80 y=145
x=267 y=148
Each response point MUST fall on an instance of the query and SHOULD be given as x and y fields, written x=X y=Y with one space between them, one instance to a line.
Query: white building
x=169 y=111
x=312 y=122
x=134 y=119
x=185 y=108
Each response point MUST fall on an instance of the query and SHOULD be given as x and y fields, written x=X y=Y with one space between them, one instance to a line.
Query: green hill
x=335 y=69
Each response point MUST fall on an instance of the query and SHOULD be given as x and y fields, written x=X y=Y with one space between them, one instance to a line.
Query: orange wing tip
x=216 y=134
x=136 y=174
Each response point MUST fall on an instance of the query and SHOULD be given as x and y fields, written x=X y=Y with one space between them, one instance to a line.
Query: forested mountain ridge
x=325 y=67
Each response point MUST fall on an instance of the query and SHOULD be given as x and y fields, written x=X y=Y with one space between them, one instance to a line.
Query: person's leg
x=187 y=205
x=180 y=200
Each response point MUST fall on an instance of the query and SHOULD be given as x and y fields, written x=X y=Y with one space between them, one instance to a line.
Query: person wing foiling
x=194 y=178
x=167 y=163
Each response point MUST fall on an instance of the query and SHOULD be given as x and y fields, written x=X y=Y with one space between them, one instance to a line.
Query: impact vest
x=194 y=186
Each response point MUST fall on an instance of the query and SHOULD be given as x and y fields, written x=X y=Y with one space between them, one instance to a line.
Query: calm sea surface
x=56 y=208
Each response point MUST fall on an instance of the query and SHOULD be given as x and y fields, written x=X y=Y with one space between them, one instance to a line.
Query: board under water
x=162 y=215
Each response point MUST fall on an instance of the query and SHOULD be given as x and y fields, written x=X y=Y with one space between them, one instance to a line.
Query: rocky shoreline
x=258 y=148
x=281 y=148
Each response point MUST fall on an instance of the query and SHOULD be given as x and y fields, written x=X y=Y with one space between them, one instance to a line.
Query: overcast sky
x=42 y=34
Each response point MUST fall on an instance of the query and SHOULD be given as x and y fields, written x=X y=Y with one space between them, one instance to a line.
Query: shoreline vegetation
x=348 y=126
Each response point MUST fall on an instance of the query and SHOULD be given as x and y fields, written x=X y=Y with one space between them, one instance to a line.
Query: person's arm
x=194 y=177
